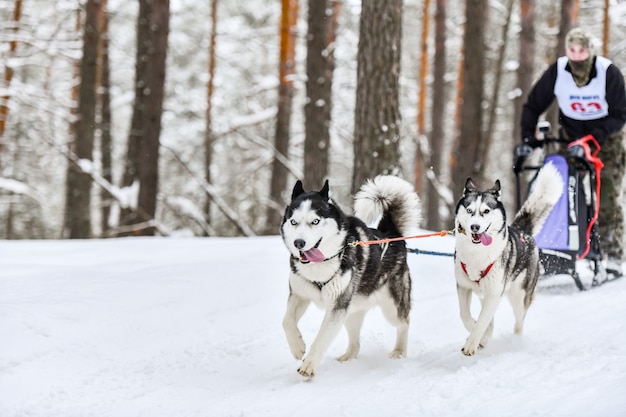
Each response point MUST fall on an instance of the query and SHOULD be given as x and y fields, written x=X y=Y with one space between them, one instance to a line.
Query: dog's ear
x=325 y=190
x=469 y=186
x=495 y=190
x=297 y=190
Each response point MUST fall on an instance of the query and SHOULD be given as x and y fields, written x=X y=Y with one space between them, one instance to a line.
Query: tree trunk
x=287 y=68
x=377 y=111
x=471 y=136
x=569 y=18
x=77 y=224
x=526 y=63
x=8 y=72
x=433 y=220
x=317 y=110
x=422 y=154
x=208 y=133
x=149 y=168
x=132 y=162
x=458 y=105
x=105 y=117
x=485 y=147
x=606 y=25
x=4 y=107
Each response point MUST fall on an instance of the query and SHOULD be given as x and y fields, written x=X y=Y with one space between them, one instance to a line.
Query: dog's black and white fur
x=493 y=259
x=345 y=279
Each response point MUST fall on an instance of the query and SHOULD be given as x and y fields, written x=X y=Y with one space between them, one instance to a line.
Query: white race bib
x=582 y=103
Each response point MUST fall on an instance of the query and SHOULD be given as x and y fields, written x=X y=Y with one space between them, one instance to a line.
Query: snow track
x=192 y=327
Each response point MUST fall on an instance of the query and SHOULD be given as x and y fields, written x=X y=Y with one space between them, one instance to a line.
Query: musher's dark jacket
x=542 y=95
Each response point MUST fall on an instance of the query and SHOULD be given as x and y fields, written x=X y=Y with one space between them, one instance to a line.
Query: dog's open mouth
x=312 y=255
x=483 y=238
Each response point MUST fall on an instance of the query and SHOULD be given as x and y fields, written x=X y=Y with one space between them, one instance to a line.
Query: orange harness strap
x=395 y=239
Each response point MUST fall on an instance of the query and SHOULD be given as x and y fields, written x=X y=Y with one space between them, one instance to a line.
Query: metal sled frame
x=563 y=262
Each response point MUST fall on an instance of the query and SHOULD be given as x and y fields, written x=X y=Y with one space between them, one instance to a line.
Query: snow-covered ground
x=192 y=327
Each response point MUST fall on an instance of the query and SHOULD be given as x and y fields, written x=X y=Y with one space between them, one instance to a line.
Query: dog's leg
x=465 y=302
x=489 y=306
x=402 y=337
x=353 y=326
x=487 y=335
x=333 y=320
x=488 y=331
x=296 y=306
x=516 y=298
x=391 y=313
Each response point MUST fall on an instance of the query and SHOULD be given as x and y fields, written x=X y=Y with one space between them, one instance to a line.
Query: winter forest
x=159 y=117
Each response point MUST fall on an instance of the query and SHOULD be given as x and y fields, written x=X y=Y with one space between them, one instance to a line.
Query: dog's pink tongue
x=485 y=239
x=314 y=255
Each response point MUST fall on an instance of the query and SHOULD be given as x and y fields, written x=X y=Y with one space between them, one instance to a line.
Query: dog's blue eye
x=315 y=222
x=293 y=222
x=469 y=210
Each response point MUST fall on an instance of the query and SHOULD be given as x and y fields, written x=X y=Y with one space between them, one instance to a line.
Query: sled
x=570 y=234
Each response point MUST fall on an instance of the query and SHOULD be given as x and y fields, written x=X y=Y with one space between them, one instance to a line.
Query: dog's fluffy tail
x=390 y=204
x=546 y=191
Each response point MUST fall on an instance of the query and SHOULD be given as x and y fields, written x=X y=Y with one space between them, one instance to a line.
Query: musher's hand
x=522 y=150
x=532 y=141
x=520 y=154
x=575 y=151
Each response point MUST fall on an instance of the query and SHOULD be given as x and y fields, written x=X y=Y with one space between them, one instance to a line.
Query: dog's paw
x=397 y=354
x=307 y=369
x=467 y=352
x=470 y=348
x=348 y=356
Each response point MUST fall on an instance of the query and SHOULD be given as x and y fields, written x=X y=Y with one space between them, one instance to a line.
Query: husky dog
x=330 y=269
x=492 y=259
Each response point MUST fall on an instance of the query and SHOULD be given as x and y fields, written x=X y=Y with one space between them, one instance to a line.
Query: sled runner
x=570 y=233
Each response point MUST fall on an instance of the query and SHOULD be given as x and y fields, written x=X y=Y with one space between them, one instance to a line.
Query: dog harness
x=482 y=273
x=320 y=285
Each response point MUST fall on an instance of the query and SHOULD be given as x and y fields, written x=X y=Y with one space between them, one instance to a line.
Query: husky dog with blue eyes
x=329 y=268
x=492 y=259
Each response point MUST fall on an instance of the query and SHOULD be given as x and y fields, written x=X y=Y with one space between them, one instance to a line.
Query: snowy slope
x=192 y=327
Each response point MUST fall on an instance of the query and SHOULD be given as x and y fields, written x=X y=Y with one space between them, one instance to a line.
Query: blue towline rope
x=428 y=252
